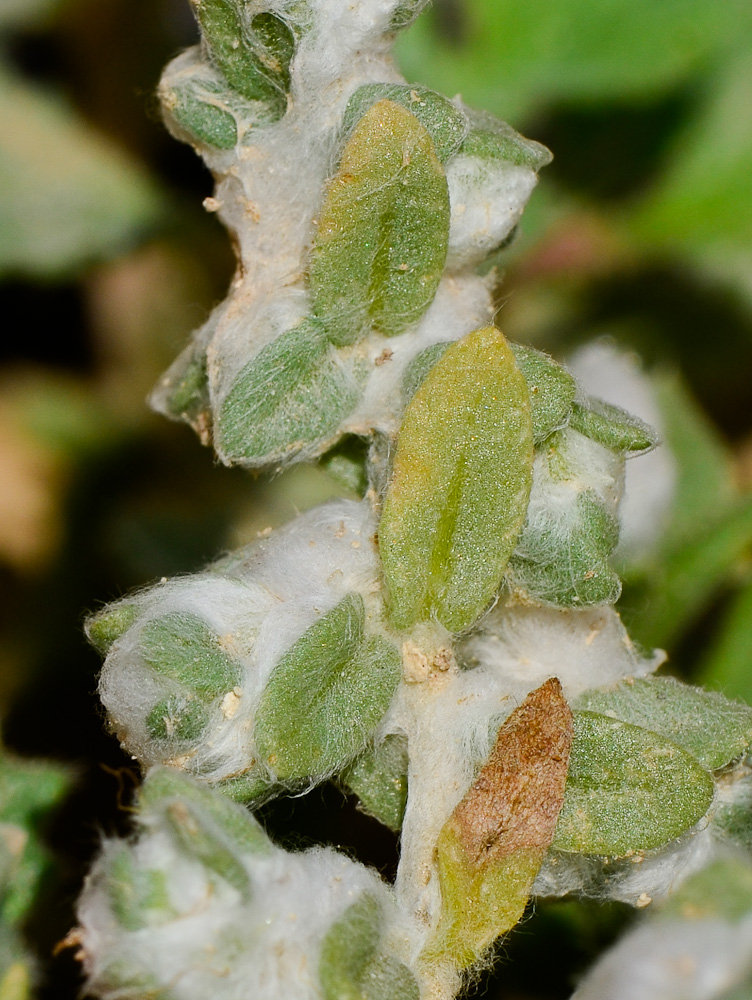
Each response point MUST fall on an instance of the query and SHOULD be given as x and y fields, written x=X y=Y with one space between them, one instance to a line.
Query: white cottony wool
x=451 y=720
x=206 y=939
x=258 y=602
x=640 y=879
x=487 y=200
x=270 y=188
x=676 y=960
x=650 y=482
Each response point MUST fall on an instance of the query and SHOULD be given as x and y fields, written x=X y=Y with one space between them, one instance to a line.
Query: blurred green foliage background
x=640 y=230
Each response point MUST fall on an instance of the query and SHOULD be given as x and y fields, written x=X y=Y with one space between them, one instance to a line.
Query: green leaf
x=551 y=387
x=180 y=645
x=612 y=427
x=351 y=967
x=383 y=229
x=179 y=718
x=138 y=896
x=106 y=627
x=165 y=785
x=707 y=725
x=326 y=695
x=188 y=396
x=205 y=121
x=405 y=12
x=420 y=366
x=489 y=138
x=201 y=109
x=445 y=123
x=67 y=195
x=204 y=840
x=562 y=555
x=379 y=779
x=293 y=395
x=254 y=58
x=347 y=464
x=628 y=789
x=250 y=788
x=492 y=846
x=722 y=890
x=460 y=485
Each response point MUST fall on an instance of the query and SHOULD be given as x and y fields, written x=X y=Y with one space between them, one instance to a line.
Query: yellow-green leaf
x=460 y=485
x=383 y=229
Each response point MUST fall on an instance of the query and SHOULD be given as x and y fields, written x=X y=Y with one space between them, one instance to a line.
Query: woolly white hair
x=270 y=188
x=258 y=602
x=673 y=960
x=451 y=716
x=210 y=941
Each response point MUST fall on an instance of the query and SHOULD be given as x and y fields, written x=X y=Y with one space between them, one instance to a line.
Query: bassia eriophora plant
x=446 y=646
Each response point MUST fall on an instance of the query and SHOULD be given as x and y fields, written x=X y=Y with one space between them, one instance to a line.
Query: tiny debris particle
x=230 y=704
x=419 y=665
x=264 y=533
x=212 y=204
x=386 y=355
x=643 y=900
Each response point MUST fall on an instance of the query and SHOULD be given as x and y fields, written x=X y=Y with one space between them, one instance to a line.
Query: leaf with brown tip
x=492 y=846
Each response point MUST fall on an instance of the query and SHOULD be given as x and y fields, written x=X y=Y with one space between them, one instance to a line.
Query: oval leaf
x=444 y=121
x=181 y=645
x=382 y=235
x=326 y=696
x=165 y=785
x=489 y=138
x=379 y=779
x=460 y=485
x=707 y=725
x=255 y=58
x=628 y=789
x=201 y=115
x=352 y=966
x=562 y=557
x=492 y=846
x=293 y=394
x=551 y=389
x=612 y=427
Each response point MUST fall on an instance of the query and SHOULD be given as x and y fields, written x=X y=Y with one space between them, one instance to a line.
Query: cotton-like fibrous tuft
x=446 y=647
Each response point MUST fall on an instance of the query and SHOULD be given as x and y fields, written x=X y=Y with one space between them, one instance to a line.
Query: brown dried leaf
x=516 y=799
